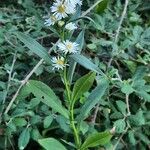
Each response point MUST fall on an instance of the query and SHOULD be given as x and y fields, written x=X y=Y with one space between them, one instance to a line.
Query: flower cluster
x=60 y=10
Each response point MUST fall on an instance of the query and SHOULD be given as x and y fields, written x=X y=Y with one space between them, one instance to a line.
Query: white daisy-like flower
x=68 y=47
x=62 y=9
x=58 y=63
x=50 y=21
x=71 y=26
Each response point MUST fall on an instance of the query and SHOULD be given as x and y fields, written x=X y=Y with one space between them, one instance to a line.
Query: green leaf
x=101 y=6
x=47 y=121
x=143 y=138
x=131 y=137
x=121 y=107
x=85 y=62
x=47 y=96
x=24 y=139
x=127 y=88
x=63 y=123
x=119 y=125
x=35 y=134
x=97 y=139
x=137 y=119
x=82 y=85
x=34 y=46
x=20 y=122
x=93 y=99
x=51 y=144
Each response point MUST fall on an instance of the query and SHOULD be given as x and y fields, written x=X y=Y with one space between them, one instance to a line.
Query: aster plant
x=61 y=12
x=64 y=17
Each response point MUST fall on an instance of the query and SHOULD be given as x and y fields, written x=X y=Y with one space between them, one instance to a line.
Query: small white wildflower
x=50 y=21
x=62 y=9
x=58 y=63
x=68 y=47
x=71 y=26
x=74 y=2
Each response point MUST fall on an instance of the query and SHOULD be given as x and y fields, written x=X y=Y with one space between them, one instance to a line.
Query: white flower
x=62 y=9
x=58 y=63
x=74 y=2
x=79 y=2
x=50 y=21
x=71 y=26
x=68 y=47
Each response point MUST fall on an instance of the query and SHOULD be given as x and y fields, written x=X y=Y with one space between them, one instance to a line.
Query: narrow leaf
x=85 y=62
x=34 y=46
x=82 y=85
x=93 y=99
x=51 y=144
x=47 y=96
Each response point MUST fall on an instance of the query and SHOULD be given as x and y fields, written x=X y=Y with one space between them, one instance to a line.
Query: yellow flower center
x=61 y=8
x=69 y=46
x=60 y=62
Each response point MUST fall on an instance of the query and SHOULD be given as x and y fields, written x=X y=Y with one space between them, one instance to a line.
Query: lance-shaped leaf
x=47 y=96
x=34 y=46
x=93 y=99
x=82 y=85
x=85 y=62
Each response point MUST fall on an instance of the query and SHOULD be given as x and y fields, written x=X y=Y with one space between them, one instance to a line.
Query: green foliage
x=96 y=139
x=106 y=85
x=47 y=96
x=51 y=143
x=82 y=85
x=24 y=138
x=34 y=46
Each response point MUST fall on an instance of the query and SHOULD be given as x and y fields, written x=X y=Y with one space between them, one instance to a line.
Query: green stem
x=72 y=121
x=71 y=110
x=67 y=85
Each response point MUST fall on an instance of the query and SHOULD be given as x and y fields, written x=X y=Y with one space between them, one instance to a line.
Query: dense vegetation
x=97 y=98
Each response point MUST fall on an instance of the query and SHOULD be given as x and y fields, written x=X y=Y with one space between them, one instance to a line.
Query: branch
x=114 y=148
x=26 y=80
x=127 y=103
x=95 y=114
x=92 y=7
x=119 y=27
x=10 y=76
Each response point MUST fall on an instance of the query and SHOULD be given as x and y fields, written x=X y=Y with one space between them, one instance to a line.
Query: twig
x=121 y=20
x=114 y=148
x=95 y=114
x=10 y=76
x=92 y=7
x=119 y=27
x=127 y=103
x=25 y=81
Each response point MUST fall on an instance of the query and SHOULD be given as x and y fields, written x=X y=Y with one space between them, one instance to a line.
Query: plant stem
x=67 y=86
x=71 y=110
x=72 y=122
x=127 y=103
